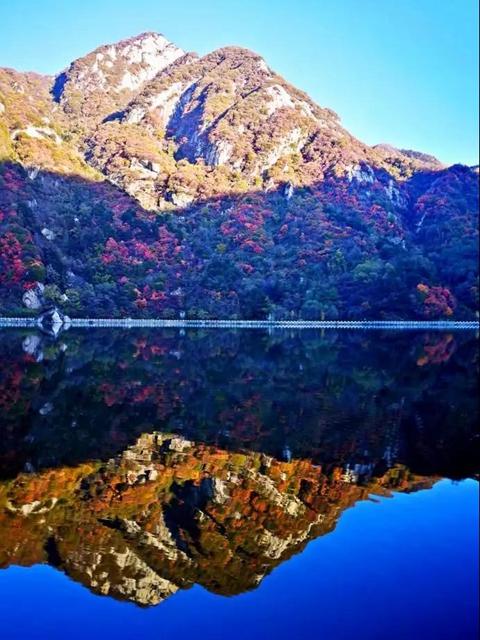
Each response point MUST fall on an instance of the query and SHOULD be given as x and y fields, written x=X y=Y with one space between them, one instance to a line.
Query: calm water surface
x=238 y=485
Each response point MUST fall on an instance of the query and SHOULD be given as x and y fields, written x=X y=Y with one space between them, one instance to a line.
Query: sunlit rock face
x=165 y=124
x=229 y=114
x=103 y=81
x=33 y=298
x=168 y=513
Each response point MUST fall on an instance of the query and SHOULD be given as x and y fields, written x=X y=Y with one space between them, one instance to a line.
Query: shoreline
x=130 y=323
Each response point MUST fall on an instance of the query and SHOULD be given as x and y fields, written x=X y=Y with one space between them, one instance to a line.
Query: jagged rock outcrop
x=144 y=462
x=168 y=513
x=33 y=298
x=229 y=114
x=102 y=82
x=169 y=126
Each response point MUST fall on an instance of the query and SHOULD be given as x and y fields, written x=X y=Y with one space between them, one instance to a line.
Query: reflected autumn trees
x=140 y=463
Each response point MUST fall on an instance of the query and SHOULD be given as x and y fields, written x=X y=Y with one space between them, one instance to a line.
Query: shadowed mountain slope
x=323 y=251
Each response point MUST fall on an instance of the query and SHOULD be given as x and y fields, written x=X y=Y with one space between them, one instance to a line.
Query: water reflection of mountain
x=357 y=399
x=167 y=514
x=142 y=463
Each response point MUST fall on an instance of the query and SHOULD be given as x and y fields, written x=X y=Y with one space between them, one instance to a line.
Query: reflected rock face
x=168 y=513
x=141 y=463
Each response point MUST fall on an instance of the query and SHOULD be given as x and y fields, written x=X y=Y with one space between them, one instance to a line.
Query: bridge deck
x=255 y=324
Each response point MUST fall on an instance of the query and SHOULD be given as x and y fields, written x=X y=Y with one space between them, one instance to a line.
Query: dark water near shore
x=235 y=484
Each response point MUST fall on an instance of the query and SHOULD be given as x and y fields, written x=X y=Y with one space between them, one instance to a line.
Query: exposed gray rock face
x=32 y=345
x=181 y=199
x=170 y=127
x=288 y=191
x=52 y=321
x=48 y=234
x=33 y=298
x=46 y=409
x=361 y=174
x=218 y=153
x=119 y=572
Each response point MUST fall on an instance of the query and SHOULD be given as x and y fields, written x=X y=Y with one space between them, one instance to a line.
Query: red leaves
x=146 y=296
x=141 y=303
x=157 y=296
x=254 y=246
x=135 y=252
x=246 y=226
x=437 y=301
x=247 y=268
x=12 y=268
x=437 y=350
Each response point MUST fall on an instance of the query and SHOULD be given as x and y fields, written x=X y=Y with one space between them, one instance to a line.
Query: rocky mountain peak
x=105 y=79
x=227 y=108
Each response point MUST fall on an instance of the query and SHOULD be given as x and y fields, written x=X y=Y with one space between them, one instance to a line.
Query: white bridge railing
x=128 y=323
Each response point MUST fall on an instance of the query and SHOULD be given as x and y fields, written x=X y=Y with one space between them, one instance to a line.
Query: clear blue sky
x=397 y=71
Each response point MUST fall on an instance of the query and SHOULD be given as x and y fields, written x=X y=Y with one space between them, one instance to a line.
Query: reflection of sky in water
x=402 y=568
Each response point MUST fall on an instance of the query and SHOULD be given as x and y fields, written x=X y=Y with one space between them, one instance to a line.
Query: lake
x=237 y=484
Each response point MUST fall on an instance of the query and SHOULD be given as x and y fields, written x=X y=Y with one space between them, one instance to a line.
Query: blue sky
x=397 y=71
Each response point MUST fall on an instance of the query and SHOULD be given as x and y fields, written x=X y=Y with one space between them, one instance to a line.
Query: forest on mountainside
x=143 y=181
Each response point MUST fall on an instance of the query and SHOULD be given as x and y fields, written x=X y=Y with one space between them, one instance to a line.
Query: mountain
x=147 y=181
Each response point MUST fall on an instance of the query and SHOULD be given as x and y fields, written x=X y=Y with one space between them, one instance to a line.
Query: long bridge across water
x=130 y=323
